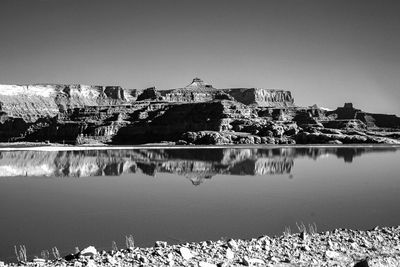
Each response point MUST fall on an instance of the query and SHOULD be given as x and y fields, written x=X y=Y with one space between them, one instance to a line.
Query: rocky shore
x=197 y=114
x=341 y=247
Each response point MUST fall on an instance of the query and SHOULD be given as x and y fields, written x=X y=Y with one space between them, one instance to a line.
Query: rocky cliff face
x=31 y=102
x=195 y=114
x=198 y=91
x=262 y=97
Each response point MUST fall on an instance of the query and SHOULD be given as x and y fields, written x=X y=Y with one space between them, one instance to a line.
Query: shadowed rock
x=198 y=113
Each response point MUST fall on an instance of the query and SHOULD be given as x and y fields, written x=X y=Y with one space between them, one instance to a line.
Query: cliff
x=31 y=102
x=195 y=114
x=198 y=91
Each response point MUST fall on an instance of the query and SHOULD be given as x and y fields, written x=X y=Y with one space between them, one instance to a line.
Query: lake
x=74 y=199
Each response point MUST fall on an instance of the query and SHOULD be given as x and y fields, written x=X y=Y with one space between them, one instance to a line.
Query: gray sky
x=325 y=52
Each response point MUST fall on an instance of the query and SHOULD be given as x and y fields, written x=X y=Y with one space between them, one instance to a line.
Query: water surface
x=77 y=198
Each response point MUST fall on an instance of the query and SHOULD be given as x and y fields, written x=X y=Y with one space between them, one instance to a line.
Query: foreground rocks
x=377 y=247
x=192 y=115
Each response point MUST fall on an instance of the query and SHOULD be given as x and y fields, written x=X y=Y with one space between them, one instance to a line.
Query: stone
x=333 y=254
x=89 y=251
x=111 y=260
x=91 y=263
x=362 y=263
x=144 y=259
x=206 y=264
x=186 y=253
x=160 y=244
x=39 y=261
x=303 y=235
x=71 y=257
x=230 y=255
x=232 y=244
x=252 y=261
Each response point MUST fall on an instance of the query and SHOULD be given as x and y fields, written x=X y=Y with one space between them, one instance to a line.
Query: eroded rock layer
x=195 y=114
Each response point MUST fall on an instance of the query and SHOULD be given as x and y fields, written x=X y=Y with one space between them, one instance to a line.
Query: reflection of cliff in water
x=194 y=164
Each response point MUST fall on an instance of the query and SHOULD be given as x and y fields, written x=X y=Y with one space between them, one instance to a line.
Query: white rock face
x=31 y=102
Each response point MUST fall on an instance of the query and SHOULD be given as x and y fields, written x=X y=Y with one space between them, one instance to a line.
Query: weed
x=45 y=254
x=129 y=241
x=114 y=246
x=287 y=231
x=312 y=228
x=21 y=253
x=56 y=253
x=301 y=227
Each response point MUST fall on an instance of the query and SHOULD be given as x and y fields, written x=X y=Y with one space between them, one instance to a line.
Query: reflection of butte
x=195 y=164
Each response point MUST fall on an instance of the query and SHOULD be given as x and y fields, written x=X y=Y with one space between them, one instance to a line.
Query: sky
x=325 y=52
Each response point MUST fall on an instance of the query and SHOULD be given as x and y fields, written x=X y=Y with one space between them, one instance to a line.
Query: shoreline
x=340 y=247
x=61 y=147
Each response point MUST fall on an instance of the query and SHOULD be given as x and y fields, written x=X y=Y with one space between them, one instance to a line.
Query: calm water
x=78 y=198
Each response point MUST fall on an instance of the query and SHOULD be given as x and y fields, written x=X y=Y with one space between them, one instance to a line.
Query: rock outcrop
x=195 y=114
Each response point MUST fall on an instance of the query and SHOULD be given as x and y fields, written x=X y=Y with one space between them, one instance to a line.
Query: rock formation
x=196 y=165
x=195 y=114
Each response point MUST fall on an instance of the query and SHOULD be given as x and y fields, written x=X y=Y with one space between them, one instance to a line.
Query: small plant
x=302 y=228
x=45 y=254
x=312 y=228
x=56 y=253
x=114 y=246
x=287 y=231
x=77 y=250
x=224 y=239
x=21 y=253
x=129 y=241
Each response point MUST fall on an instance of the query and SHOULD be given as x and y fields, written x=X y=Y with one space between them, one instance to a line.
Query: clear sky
x=325 y=52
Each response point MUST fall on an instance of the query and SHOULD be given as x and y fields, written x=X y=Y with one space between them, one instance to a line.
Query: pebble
x=303 y=235
x=186 y=253
x=39 y=261
x=339 y=248
x=206 y=264
x=89 y=251
x=232 y=244
x=111 y=260
x=249 y=262
x=91 y=263
x=160 y=244
x=230 y=255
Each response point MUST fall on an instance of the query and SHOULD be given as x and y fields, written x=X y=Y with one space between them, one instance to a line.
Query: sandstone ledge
x=341 y=247
x=197 y=114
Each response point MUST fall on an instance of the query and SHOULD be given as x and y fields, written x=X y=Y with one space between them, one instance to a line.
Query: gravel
x=341 y=247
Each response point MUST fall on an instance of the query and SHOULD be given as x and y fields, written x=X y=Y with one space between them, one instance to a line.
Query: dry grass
x=312 y=228
x=21 y=253
x=129 y=241
x=114 y=246
x=56 y=253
